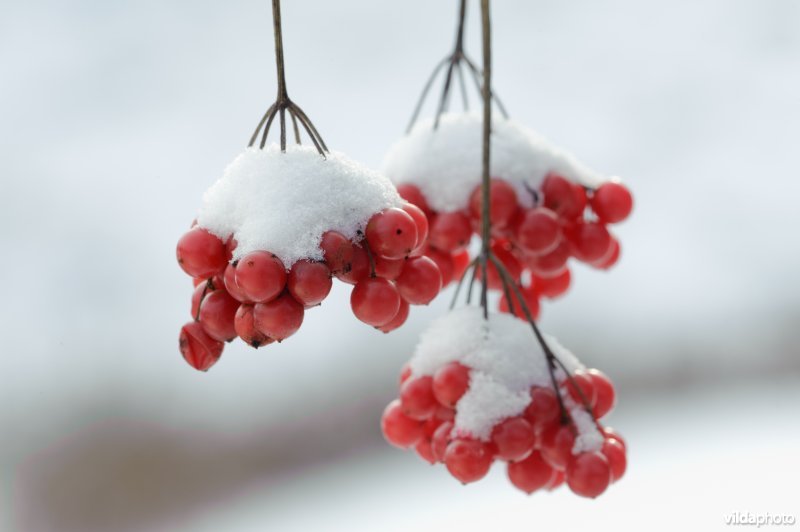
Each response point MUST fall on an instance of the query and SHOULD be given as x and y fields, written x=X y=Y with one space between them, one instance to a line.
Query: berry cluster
x=539 y=444
x=261 y=301
x=540 y=239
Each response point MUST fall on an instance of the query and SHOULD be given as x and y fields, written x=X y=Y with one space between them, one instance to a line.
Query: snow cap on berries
x=446 y=163
x=284 y=202
x=506 y=361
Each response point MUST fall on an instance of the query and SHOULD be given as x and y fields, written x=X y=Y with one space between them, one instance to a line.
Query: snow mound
x=446 y=163
x=505 y=362
x=284 y=202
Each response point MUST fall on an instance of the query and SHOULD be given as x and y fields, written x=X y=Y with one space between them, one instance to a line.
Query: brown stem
x=486 y=92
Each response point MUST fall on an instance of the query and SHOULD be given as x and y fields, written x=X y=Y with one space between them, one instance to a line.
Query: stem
x=486 y=92
x=276 y=24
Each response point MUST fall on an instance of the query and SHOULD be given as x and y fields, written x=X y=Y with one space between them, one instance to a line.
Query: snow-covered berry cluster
x=545 y=206
x=478 y=391
x=275 y=231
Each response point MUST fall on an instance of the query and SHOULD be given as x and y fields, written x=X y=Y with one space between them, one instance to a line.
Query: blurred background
x=116 y=116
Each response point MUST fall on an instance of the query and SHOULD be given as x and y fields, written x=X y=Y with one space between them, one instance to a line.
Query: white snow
x=505 y=361
x=446 y=163
x=284 y=202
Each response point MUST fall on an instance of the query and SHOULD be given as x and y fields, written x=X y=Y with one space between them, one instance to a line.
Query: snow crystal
x=589 y=438
x=446 y=163
x=284 y=202
x=505 y=361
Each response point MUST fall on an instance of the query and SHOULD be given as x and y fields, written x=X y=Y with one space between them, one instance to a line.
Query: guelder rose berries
x=261 y=301
x=465 y=407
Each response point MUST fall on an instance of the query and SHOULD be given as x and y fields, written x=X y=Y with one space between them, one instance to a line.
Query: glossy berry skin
x=375 y=301
x=424 y=449
x=539 y=231
x=563 y=197
x=417 y=399
x=588 y=474
x=556 y=445
x=610 y=433
x=233 y=288
x=531 y=299
x=614 y=452
x=444 y=261
x=388 y=268
x=441 y=439
x=449 y=231
x=279 y=318
x=543 y=411
x=358 y=268
x=468 y=460
x=501 y=249
x=309 y=282
x=413 y=195
x=550 y=264
x=420 y=281
x=461 y=261
x=398 y=320
x=399 y=429
x=337 y=251
x=605 y=397
x=530 y=474
x=610 y=258
x=450 y=383
x=197 y=347
x=244 y=323
x=590 y=241
x=201 y=254
x=612 y=202
x=392 y=233
x=200 y=292
x=502 y=203
x=261 y=276
x=217 y=313
x=513 y=438
x=556 y=480
x=421 y=222
x=553 y=287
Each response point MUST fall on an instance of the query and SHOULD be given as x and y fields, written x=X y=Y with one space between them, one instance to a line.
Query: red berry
x=217 y=313
x=197 y=347
x=531 y=299
x=244 y=323
x=460 y=263
x=444 y=413
x=309 y=282
x=502 y=203
x=563 y=197
x=612 y=202
x=399 y=429
x=610 y=258
x=543 y=411
x=556 y=445
x=468 y=460
x=605 y=396
x=450 y=383
x=201 y=254
x=615 y=454
x=421 y=222
x=444 y=261
x=610 y=433
x=513 y=438
x=556 y=480
x=588 y=474
x=550 y=264
x=530 y=474
x=581 y=381
x=441 y=439
x=232 y=286
x=501 y=249
x=590 y=241
x=261 y=276
x=200 y=292
x=388 y=268
x=420 y=281
x=398 y=320
x=279 y=318
x=392 y=233
x=424 y=449
x=405 y=373
x=358 y=268
x=412 y=194
x=375 y=301
x=552 y=287
x=539 y=231
x=337 y=251
x=449 y=231
x=417 y=399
